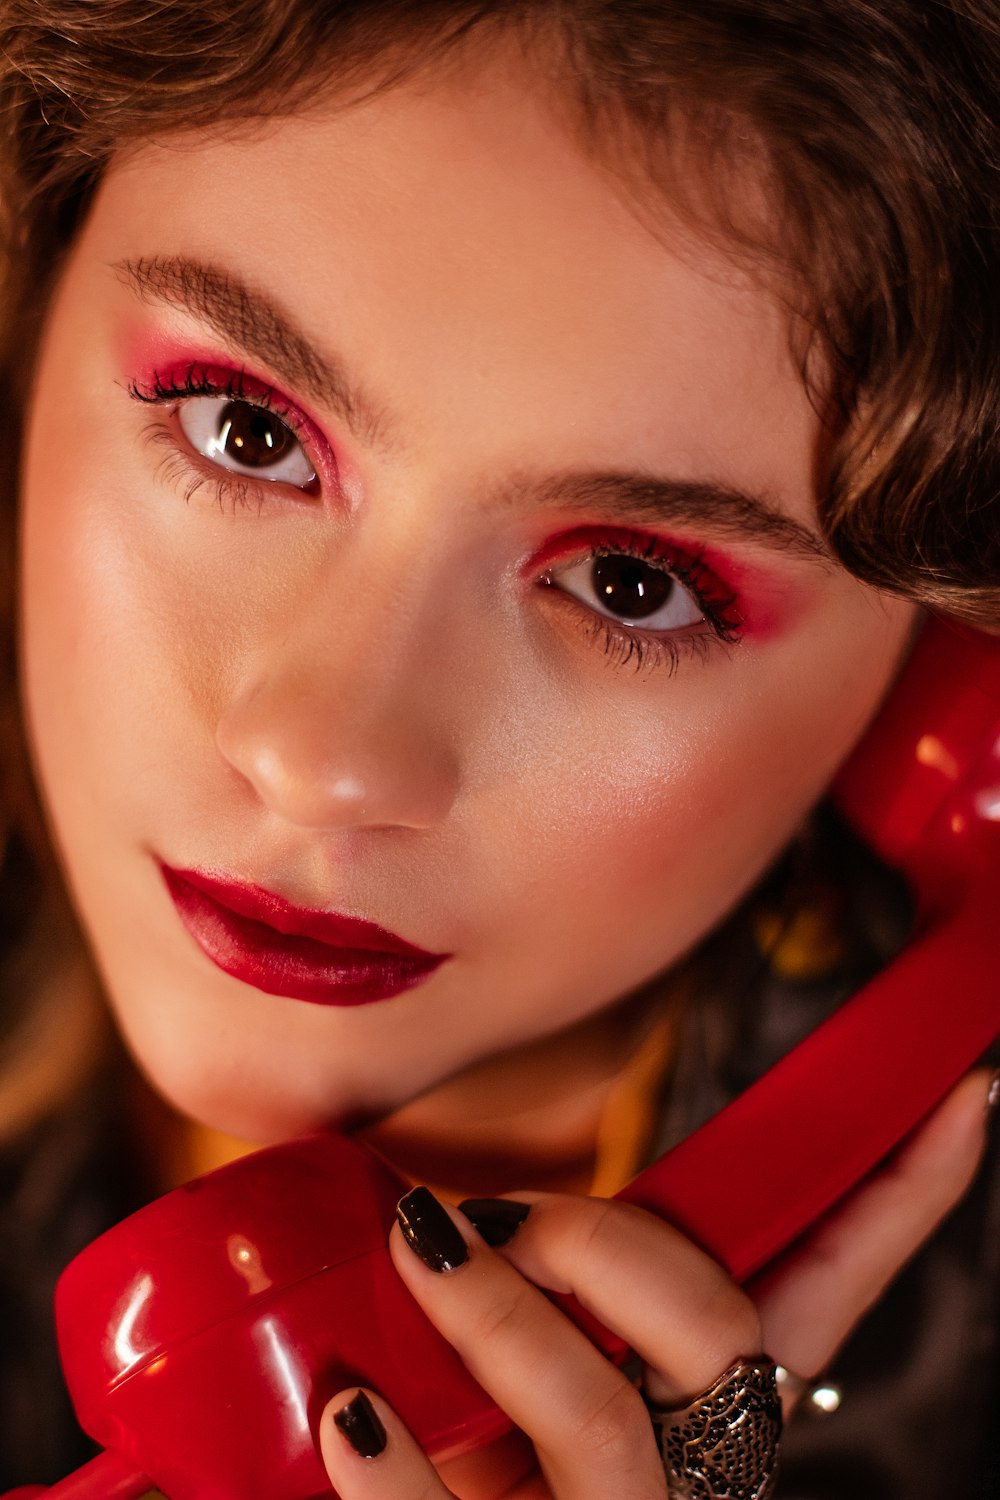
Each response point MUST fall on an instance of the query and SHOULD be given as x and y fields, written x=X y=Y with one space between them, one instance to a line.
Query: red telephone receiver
x=202 y=1336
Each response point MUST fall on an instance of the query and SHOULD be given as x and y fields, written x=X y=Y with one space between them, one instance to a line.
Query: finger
x=590 y=1429
x=369 y=1454
x=810 y=1300
x=674 y=1305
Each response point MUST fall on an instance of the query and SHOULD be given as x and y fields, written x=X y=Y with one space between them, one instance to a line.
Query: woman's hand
x=585 y=1432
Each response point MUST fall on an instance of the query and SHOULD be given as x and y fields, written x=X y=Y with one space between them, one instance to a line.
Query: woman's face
x=412 y=534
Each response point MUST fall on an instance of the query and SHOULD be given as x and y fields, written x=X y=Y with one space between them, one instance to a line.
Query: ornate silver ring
x=724 y=1444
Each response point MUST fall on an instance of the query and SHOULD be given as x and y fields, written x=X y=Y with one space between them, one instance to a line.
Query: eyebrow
x=650 y=500
x=249 y=319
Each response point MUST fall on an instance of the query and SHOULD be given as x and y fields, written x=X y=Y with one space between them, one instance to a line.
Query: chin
x=242 y=1114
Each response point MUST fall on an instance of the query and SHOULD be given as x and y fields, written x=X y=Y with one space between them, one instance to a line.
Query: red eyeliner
x=295 y=952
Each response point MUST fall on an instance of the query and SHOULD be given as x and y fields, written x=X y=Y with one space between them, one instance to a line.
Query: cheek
x=656 y=841
x=95 y=631
x=114 y=687
x=663 y=816
x=133 y=615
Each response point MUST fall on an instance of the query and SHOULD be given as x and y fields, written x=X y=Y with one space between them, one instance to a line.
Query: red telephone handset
x=203 y=1335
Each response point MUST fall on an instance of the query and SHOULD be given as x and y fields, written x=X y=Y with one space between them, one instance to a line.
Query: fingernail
x=993 y=1095
x=361 y=1426
x=429 y=1231
x=497 y=1220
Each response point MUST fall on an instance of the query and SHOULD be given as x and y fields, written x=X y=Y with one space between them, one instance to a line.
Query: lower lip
x=296 y=968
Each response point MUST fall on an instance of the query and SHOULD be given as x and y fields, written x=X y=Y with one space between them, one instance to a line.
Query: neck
x=528 y=1118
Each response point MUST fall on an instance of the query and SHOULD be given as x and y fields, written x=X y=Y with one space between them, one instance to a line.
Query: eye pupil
x=630 y=587
x=251 y=436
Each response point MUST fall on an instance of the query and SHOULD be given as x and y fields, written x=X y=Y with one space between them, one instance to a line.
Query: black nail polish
x=361 y=1426
x=429 y=1232
x=497 y=1220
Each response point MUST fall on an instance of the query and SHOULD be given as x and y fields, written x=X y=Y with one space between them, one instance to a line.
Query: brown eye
x=630 y=589
x=251 y=435
x=245 y=439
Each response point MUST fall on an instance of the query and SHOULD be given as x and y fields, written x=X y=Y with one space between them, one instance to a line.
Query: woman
x=483 y=468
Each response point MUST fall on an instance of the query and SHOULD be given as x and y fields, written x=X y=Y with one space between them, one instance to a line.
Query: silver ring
x=724 y=1444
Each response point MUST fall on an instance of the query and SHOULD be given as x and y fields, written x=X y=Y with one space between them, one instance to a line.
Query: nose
x=344 y=736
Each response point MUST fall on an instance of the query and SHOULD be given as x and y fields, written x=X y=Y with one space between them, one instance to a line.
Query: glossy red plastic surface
x=201 y=1337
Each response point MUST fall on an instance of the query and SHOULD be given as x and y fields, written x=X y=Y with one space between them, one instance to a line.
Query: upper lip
x=330 y=927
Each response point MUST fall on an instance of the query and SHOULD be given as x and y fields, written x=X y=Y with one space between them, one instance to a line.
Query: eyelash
x=646 y=650
x=232 y=491
x=642 y=650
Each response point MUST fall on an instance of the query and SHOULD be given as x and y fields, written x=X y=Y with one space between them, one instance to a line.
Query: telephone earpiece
x=201 y=1337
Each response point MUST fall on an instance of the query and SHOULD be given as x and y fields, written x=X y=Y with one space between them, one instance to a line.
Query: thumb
x=811 y=1298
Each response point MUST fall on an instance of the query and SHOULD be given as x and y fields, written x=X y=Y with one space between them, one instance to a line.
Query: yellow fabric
x=198 y=1150
x=806 y=949
x=630 y=1113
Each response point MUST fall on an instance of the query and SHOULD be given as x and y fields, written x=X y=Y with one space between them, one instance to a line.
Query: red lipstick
x=286 y=950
